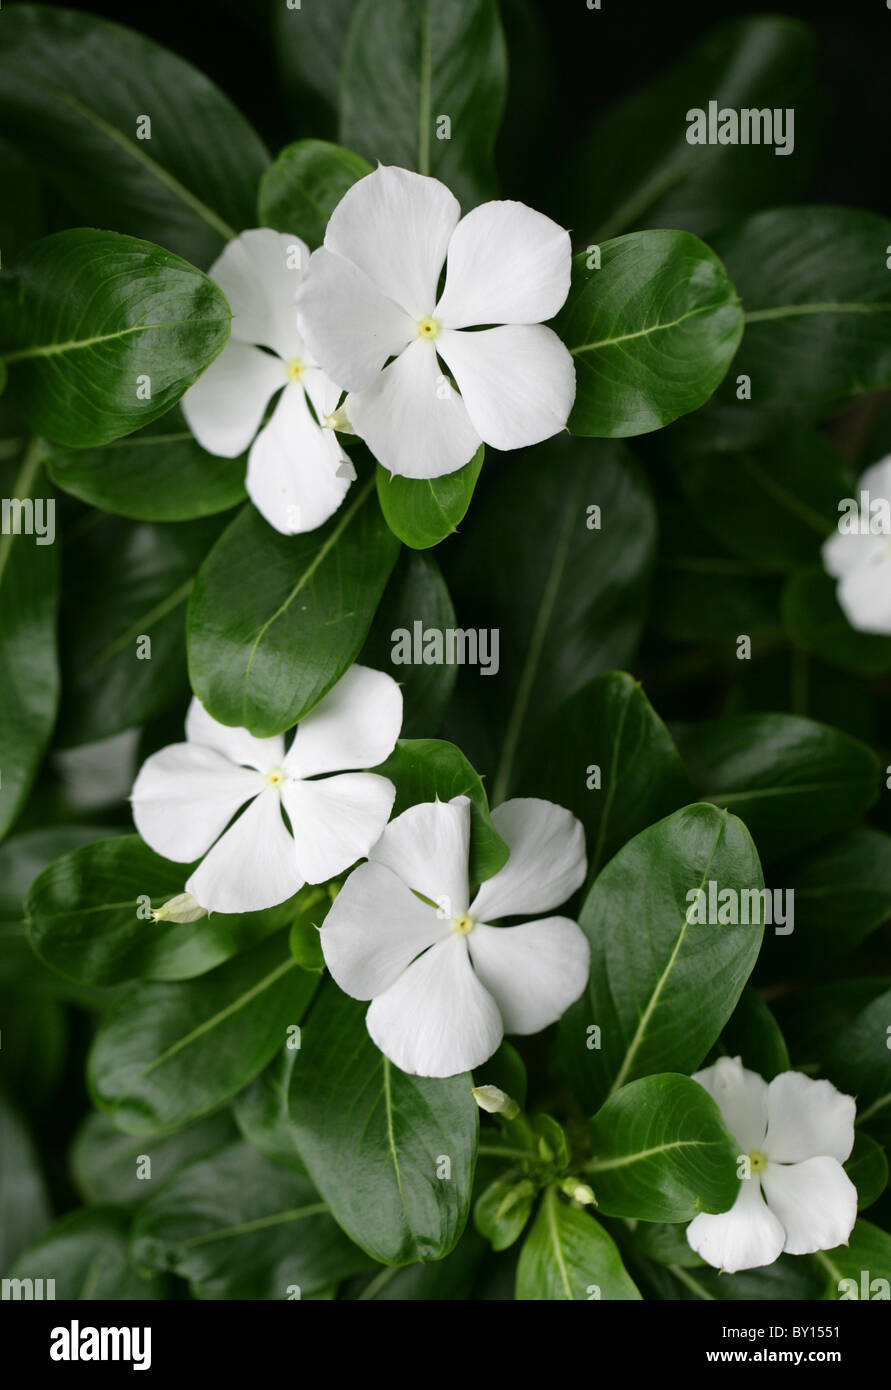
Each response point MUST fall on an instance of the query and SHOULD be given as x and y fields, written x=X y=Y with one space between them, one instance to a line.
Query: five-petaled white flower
x=371 y=293
x=187 y=794
x=797 y=1133
x=297 y=473
x=861 y=562
x=445 y=984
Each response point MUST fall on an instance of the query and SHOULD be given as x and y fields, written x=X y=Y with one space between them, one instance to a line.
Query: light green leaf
x=424 y=511
x=301 y=189
x=568 y=1256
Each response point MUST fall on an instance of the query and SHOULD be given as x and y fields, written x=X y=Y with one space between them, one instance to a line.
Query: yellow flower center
x=427 y=327
x=276 y=775
x=463 y=924
x=758 y=1160
x=295 y=368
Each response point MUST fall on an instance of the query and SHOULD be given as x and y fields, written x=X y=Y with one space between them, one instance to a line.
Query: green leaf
x=503 y=1208
x=301 y=189
x=88 y=918
x=705 y=595
x=167 y=1054
x=427 y=769
x=407 y=63
x=857 y=1062
x=653 y=328
x=309 y=45
x=74 y=89
x=791 y=780
x=156 y=474
x=35 y=1048
x=238 y=1227
x=87 y=1254
x=753 y=1034
x=567 y=600
x=112 y=677
x=29 y=671
x=568 y=1255
x=661 y=1152
x=24 y=1201
x=636 y=168
x=867 y=1168
x=103 y=333
x=666 y=1243
x=275 y=621
x=661 y=987
x=449 y=1279
x=423 y=511
x=107 y=1166
x=816 y=623
x=375 y=1140
x=261 y=1112
x=618 y=769
x=859 y=1269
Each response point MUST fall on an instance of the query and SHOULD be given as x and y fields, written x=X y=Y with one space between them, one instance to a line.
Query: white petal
x=547 y=860
x=807 y=1118
x=336 y=820
x=236 y=744
x=507 y=264
x=437 y=1019
x=847 y=551
x=322 y=391
x=412 y=419
x=259 y=273
x=355 y=725
x=741 y=1097
x=374 y=929
x=815 y=1201
x=428 y=847
x=225 y=406
x=745 y=1237
x=533 y=972
x=518 y=382
x=292 y=476
x=348 y=325
x=252 y=866
x=185 y=796
x=396 y=226
x=864 y=593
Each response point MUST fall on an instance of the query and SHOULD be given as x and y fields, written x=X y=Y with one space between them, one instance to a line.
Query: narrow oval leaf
x=652 y=324
x=408 y=62
x=167 y=1054
x=103 y=333
x=301 y=189
x=392 y=1155
x=237 y=1227
x=568 y=1257
x=662 y=985
x=108 y=1166
x=274 y=621
x=87 y=1255
x=661 y=1152
x=423 y=511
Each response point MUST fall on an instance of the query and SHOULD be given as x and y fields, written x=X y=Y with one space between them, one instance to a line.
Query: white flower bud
x=495 y=1102
x=182 y=908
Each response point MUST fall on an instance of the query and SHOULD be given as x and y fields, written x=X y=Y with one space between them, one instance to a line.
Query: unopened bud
x=182 y=908
x=579 y=1192
x=495 y=1102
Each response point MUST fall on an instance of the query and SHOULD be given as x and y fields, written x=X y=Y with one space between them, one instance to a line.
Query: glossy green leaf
x=451 y=1278
x=867 y=1168
x=167 y=1054
x=108 y=1166
x=309 y=44
x=275 y=621
x=409 y=62
x=75 y=89
x=791 y=780
x=392 y=1155
x=103 y=333
x=661 y=986
x=87 y=1254
x=29 y=671
x=503 y=1208
x=88 y=918
x=661 y=1152
x=301 y=189
x=25 y=1210
x=568 y=1256
x=238 y=1227
x=424 y=511
x=815 y=622
x=652 y=325
x=859 y=1270
x=261 y=1112
x=753 y=1034
x=157 y=474
x=857 y=1061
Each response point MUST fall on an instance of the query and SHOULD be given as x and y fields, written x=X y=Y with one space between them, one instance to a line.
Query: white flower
x=796 y=1132
x=187 y=794
x=297 y=473
x=446 y=985
x=371 y=294
x=862 y=562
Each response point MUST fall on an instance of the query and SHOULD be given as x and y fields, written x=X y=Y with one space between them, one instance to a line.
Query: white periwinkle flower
x=371 y=294
x=445 y=984
x=187 y=794
x=297 y=473
x=858 y=555
x=797 y=1133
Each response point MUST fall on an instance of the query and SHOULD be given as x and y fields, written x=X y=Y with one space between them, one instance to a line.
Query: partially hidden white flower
x=446 y=984
x=297 y=474
x=797 y=1133
x=371 y=294
x=862 y=562
x=186 y=795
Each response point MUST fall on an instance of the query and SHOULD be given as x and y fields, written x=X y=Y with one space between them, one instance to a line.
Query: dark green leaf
x=568 y=1255
x=301 y=189
x=423 y=511
x=842 y=893
x=815 y=622
x=107 y=1166
x=261 y=1112
x=753 y=1034
x=868 y=1170
x=861 y=1269
x=24 y=1201
x=87 y=1255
